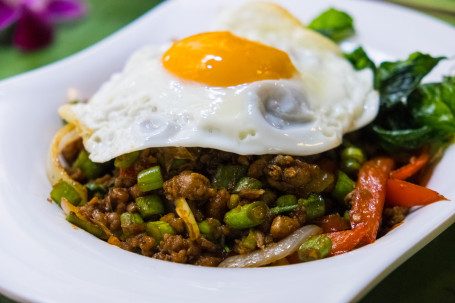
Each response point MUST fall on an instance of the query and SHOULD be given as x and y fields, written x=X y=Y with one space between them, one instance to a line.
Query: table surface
x=428 y=276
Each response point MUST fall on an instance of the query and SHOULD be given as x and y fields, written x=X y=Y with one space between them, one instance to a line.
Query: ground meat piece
x=189 y=185
x=299 y=214
x=140 y=242
x=177 y=249
x=257 y=168
x=176 y=223
x=216 y=207
x=132 y=208
x=394 y=215
x=251 y=194
x=283 y=226
x=99 y=217
x=295 y=176
x=113 y=221
x=76 y=174
x=206 y=245
x=135 y=192
x=71 y=151
x=118 y=195
x=208 y=261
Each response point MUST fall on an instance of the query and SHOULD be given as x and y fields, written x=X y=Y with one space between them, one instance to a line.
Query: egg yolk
x=223 y=59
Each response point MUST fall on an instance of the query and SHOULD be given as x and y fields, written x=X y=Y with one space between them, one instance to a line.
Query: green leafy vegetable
x=360 y=59
x=396 y=80
x=334 y=24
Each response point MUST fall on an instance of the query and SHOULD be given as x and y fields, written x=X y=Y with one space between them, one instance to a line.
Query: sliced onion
x=273 y=252
x=184 y=211
x=55 y=170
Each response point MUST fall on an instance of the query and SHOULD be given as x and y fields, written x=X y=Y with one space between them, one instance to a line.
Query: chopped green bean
x=343 y=186
x=157 y=230
x=150 y=179
x=234 y=200
x=129 y=218
x=64 y=189
x=228 y=175
x=87 y=226
x=91 y=170
x=249 y=241
x=351 y=160
x=246 y=216
x=286 y=200
x=209 y=228
x=315 y=248
x=314 y=205
x=150 y=205
x=283 y=209
x=126 y=160
x=247 y=182
x=96 y=188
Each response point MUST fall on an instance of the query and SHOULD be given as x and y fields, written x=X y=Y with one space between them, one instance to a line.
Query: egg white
x=146 y=106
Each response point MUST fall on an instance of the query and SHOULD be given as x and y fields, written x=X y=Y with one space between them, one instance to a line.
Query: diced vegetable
x=87 y=226
x=346 y=240
x=126 y=160
x=249 y=241
x=402 y=193
x=369 y=196
x=334 y=24
x=209 y=228
x=150 y=205
x=150 y=179
x=283 y=209
x=286 y=200
x=315 y=248
x=315 y=206
x=249 y=183
x=91 y=170
x=343 y=186
x=63 y=189
x=129 y=218
x=332 y=223
x=227 y=176
x=351 y=160
x=246 y=216
x=234 y=200
x=158 y=229
x=414 y=166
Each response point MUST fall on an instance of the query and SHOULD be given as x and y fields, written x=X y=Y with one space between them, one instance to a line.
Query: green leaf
x=360 y=59
x=334 y=24
x=402 y=139
x=396 y=80
x=433 y=105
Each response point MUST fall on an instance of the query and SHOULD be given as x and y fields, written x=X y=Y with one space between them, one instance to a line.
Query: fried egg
x=249 y=87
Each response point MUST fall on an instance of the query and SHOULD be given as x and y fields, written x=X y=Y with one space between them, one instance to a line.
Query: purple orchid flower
x=33 y=19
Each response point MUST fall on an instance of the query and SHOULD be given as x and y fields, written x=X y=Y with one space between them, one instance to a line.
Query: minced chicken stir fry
x=201 y=206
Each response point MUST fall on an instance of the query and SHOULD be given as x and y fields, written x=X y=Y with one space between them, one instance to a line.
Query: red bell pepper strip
x=332 y=223
x=415 y=164
x=402 y=193
x=346 y=240
x=369 y=196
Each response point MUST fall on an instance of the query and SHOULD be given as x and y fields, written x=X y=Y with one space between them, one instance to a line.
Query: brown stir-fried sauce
x=191 y=173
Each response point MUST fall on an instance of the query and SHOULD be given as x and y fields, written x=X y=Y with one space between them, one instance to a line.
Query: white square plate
x=44 y=259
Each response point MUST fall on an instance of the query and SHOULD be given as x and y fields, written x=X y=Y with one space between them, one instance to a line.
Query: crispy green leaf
x=334 y=24
x=402 y=139
x=396 y=80
x=360 y=59
x=433 y=105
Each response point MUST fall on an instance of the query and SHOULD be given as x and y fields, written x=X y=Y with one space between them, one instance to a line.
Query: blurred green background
x=428 y=276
